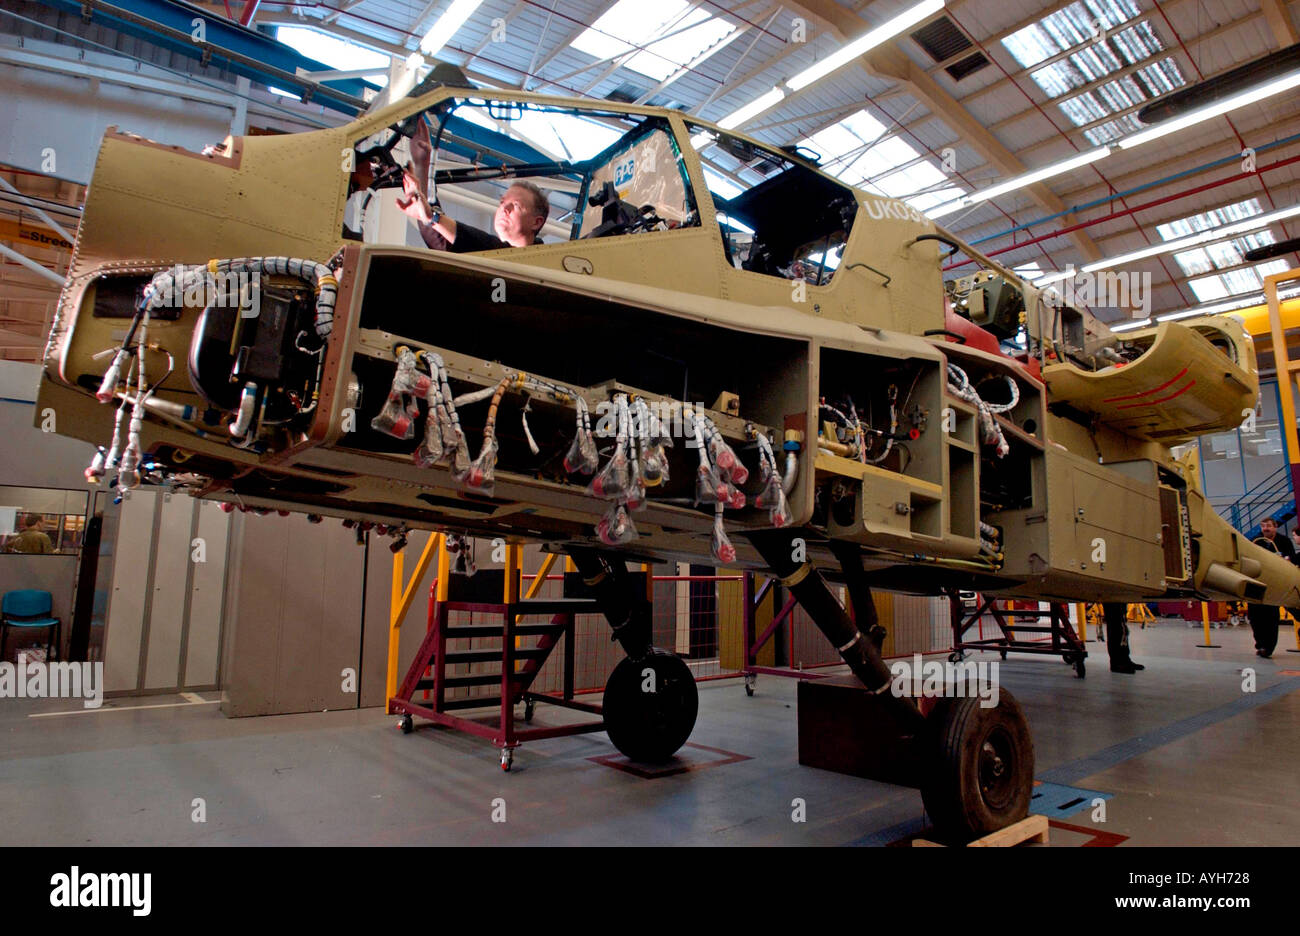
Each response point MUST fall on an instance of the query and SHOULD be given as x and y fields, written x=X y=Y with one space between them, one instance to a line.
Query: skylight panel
x=911 y=180
x=1066 y=28
x=881 y=158
x=334 y=52
x=632 y=23
x=928 y=200
x=1208 y=289
x=1208 y=219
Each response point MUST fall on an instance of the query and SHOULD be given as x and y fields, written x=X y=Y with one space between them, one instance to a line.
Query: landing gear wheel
x=650 y=706
x=407 y=724
x=529 y=707
x=978 y=766
x=507 y=758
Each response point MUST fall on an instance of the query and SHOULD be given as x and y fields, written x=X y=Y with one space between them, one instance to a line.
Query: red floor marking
x=1289 y=672
x=1098 y=839
x=650 y=772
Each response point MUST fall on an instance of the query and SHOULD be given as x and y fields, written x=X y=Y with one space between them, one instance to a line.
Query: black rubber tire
x=408 y=724
x=964 y=792
x=650 y=727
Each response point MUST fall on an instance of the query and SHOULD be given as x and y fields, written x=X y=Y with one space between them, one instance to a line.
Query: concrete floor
x=1187 y=757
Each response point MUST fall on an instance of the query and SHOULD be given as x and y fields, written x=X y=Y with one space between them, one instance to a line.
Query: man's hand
x=421 y=154
x=412 y=201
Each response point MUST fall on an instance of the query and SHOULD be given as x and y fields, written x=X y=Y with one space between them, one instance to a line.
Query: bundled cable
x=582 y=457
x=772 y=497
x=959 y=385
x=398 y=414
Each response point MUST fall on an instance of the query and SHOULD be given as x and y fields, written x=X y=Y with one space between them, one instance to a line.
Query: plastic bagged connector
x=481 y=476
x=430 y=450
x=636 y=494
x=779 y=515
x=614 y=480
x=582 y=457
x=771 y=493
x=707 y=485
x=399 y=413
x=616 y=527
x=730 y=496
x=461 y=550
x=721 y=546
x=654 y=465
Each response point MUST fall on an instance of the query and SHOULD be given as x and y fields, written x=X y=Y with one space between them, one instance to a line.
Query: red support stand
x=755 y=641
x=1064 y=641
x=428 y=671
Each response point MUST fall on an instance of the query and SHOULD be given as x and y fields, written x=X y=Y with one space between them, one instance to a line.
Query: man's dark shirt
x=469 y=239
x=1282 y=544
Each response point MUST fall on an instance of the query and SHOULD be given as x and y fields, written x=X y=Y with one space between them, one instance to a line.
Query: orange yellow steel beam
x=400 y=602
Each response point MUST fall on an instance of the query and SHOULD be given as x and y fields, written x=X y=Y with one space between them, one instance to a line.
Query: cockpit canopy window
x=604 y=173
x=778 y=216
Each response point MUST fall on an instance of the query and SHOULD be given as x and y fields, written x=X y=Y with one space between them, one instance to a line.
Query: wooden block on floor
x=1029 y=829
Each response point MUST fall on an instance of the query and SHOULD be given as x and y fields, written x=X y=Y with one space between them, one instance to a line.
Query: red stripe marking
x=1134 y=396
x=1180 y=392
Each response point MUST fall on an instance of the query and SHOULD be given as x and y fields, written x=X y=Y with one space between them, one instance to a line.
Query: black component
x=954 y=246
x=266 y=352
x=407 y=723
x=626 y=608
x=930 y=332
x=813 y=595
x=978 y=766
x=119 y=297
x=1269 y=251
x=617 y=216
x=83 y=606
x=1207 y=92
x=650 y=705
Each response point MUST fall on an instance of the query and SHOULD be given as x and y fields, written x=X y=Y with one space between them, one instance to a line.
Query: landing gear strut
x=650 y=700
x=974 y=765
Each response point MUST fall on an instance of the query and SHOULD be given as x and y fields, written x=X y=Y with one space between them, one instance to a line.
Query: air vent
x=941 y=39
x=967 y=66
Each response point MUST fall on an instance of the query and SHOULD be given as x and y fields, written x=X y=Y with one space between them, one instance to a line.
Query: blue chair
x=29 y=607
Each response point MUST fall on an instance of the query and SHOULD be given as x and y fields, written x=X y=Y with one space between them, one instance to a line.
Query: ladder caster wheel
x=1003 y=654
x=507 y=759
x=1079 y=669
x=650 y=706
x=956 y=656
x=749 y=685
x=749 y=691
x=407 y=724
x=529 y=707
x=977 y=766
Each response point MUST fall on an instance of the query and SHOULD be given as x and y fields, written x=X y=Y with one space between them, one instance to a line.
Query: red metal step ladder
x=428 y=672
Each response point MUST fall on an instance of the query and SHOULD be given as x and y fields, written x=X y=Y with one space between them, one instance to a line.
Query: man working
x=1116 y=617
x=32 y=539
x=1279 y=544
x=518 y=220
x=1264 y=618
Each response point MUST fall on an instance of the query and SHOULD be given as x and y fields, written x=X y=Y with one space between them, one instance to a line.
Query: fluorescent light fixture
x=1029 y=178
x=752 y=109
x=947 y=208
x=1223 y=232
x=1277 y=86
x=1129 y=326
x=864 y=43
x=451 y=20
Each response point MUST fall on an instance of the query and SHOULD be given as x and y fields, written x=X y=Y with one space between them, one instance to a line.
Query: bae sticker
x=624 y=171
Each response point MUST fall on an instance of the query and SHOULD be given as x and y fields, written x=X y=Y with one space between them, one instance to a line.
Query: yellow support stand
x=1140 y=614
x=1205 y=620
x=400 y=602
x=1081 y=621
